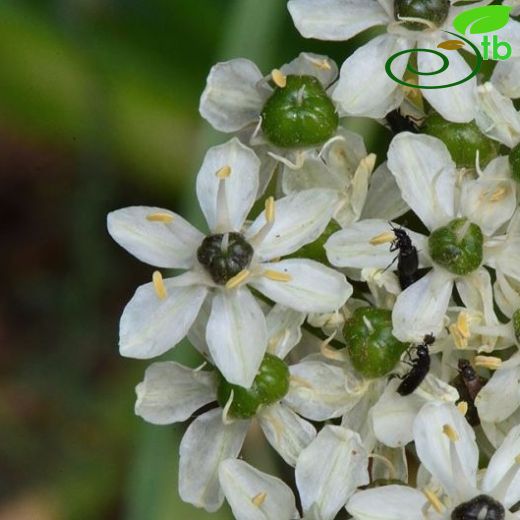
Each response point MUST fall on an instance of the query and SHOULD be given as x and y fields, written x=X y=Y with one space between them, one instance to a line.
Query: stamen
x=239 y=278
x=382 y=238
x=458 y=337
x=434 y=500
x=269 y=210
x=322 y=64
x=498 y=194
x=331 y=353
x=158 y=285
x=160 y=216
x=491 y=362
x=259 y=499
x=225 y=411
x=450 y=432
x=462 y=407
x=279 y=78
x=463 y=324
x=224 y=172
x=277 y=276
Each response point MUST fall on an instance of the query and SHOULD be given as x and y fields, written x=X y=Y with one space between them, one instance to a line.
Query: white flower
x=343 y=165
x=364 y=88
x=446 y=446
x=161 y=313
x=328 y=471
x=427 y=177
x=506 y=77
x=172 y=393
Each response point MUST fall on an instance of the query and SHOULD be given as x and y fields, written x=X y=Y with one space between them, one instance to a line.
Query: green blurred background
x=98 y=110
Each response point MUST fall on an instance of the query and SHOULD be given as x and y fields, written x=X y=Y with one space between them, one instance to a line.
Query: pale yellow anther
x=433 y=499
x=279 y=78
x=259 y=499
x=158 y=285
x=463 y=324
x=239 y=278
x=450 y=432
x=382 y=238
x=269 y=209
x=490 y=362
x=517 y=459
x=160 y=217
x=331 y=353
x=277 y=276
x=462 y=407
x=498 y=194
x=224 y=172
x=459 y=339
x=320 y=63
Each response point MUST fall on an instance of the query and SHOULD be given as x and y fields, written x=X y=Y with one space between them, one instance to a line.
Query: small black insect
x=420 y=366
x=482 y=507
x=469 y=383
x=407 y=259
x=401 y=123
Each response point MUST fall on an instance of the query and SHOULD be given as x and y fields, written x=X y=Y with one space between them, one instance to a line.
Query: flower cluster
x=363 y=311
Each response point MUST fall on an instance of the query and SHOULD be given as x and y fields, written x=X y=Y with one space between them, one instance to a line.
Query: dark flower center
x=482 y=507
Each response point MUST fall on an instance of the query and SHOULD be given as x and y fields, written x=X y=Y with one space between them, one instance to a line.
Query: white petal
x=231 y=100
x=286 y=432
x=162 y=244
x=206 y=443
x=433 y=447
x=150 y=326
x=313 y=174
x=393 y=416
x=384 y=199
x=312 y=287
x=300 y=218
x=363 y=83
x=482 y=208
x=330 y=469
x=197 y=333
x=351 y=246
x=335 y=19
x=509 y=33
x=242 y=484
x=241 y=186
x=321 y=391
x=455 y=103
x=500 y=396
x=310 y=64
x=506 y=77
x=237 y=335
x=387 y=503
x=425 y=173
x=507 y=298
x=496 y=116
x=283 y=330
x=502 y=462
x=420 y=309
x=171 y=392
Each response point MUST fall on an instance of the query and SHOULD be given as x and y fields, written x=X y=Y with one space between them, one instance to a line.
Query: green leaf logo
x=481 y=20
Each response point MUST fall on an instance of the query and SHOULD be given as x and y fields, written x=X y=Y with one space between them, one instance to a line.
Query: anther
x=433 y=499
x=462 y=407
x=160 y=216
x=269 y=209
x=277 y=276
x=259 y=499
x=158 y=285
x=279 y=78
x=382 y=238
x=450 y=432
x=498 y=194
x=491 y=362
x=225 y=411
x=238 y=279
x=322 y=64
x=224 y=172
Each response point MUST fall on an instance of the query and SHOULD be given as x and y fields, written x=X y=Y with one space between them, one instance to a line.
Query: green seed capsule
x=270 y=385
x=458 y=247
x=435 y=11
x=516 y=324
x=372 y=348
x=514 y=161
x=463 y=140
x=299 y=114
